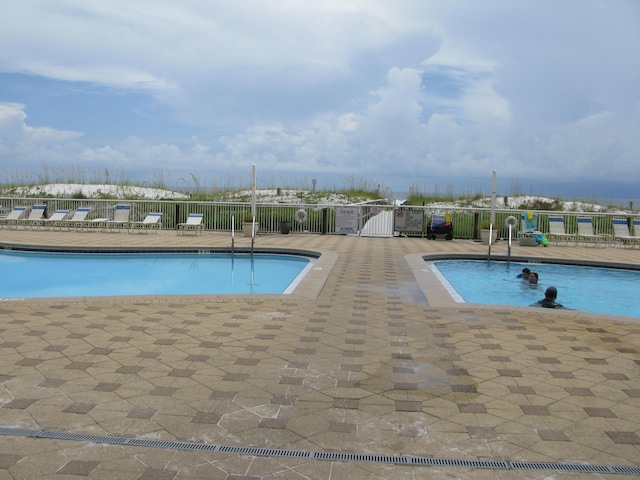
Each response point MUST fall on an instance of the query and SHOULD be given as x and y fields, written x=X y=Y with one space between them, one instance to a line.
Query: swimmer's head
x=551 y=293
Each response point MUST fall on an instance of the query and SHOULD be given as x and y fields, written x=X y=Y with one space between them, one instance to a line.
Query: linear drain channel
x=327 y=456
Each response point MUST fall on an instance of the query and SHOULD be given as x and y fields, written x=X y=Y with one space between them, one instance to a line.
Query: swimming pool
x=46 y=275
x=588 y=289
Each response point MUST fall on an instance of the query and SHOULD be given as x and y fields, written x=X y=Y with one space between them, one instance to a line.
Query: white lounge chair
x=35 y=218
x=587 y=235
x=557 y=232
x=14 y=217
x=151 y=222
x=77 y=221
x=120 y=219
x=54 y=220
x=193 y=223
x=621 y=232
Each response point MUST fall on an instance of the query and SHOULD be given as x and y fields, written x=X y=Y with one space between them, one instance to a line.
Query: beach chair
x=151 y=222
x=14 y=217
x=557 y=232
x=529 y=221
x=77 y=221
x=621 y=232
x=35 y=218
x=193 y=224
x=587 y=235
x=120 y=219
x=54 y=220
x=528 y=229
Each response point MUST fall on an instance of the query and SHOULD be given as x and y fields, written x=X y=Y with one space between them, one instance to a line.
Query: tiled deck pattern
x=369 y=366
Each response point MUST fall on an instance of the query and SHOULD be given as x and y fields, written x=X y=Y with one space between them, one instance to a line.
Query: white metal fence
x=373 y=218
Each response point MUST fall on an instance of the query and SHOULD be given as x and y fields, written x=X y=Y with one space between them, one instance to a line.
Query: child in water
x=525 y=274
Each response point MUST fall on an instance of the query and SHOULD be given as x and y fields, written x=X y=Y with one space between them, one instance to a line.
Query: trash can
x=285 y=226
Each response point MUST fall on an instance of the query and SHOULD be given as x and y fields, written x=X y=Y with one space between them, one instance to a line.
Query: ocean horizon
x=618 y=194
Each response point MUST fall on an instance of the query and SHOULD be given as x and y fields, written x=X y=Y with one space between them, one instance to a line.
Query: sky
x=408 y=94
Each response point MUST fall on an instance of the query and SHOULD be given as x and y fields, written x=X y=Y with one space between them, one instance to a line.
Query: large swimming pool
x=588 y=289
x=45 y=275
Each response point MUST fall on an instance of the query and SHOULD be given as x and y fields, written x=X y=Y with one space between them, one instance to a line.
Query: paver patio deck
x=356 y=360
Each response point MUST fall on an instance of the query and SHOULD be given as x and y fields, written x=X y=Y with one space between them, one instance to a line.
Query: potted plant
x=484 y=233
x=248 y=225
x=285 y=226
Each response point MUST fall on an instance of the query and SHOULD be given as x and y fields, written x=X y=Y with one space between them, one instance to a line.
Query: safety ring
x=301 y=216
x=511 y=220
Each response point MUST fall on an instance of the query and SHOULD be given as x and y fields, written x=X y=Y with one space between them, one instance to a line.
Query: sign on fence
x=347 y=220
x=408 y=220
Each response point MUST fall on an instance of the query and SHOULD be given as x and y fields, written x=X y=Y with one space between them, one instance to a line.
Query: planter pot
x=484 y=236
x=285 y=227
x=246 y=228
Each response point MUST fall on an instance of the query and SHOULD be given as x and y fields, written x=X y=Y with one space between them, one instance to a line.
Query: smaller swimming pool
x=46 y=275
x=588 y=289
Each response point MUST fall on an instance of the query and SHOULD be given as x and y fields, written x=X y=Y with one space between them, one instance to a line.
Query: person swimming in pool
x=549 y=300
x=525 y=274
x=533 y=278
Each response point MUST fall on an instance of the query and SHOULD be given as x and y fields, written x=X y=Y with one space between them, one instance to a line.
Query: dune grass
x=196 y=187
x=226 y=187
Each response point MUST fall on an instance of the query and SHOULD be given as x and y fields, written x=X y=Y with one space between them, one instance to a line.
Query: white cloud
x=594 y=147
x=14 y=130
x=532 y=89
x=106 y=155
x=482 y=103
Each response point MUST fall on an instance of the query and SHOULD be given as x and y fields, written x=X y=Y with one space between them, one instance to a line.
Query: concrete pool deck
x=357 y=361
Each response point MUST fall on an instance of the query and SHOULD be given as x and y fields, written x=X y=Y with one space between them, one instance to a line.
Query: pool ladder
x=253 y=233
x=508 y=244
x=233 y=235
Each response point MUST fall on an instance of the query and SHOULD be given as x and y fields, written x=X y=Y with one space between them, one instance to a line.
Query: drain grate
x=355 y=457
x=81 y=437
x=19 y=432
x=326 y=456
x=446 y=462
x=565 y=467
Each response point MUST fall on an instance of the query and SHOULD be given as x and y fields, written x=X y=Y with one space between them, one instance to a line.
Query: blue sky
x=404 y=93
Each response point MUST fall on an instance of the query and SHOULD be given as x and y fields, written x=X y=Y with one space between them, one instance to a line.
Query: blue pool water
x=30 y=275
x=587 y=289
